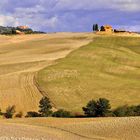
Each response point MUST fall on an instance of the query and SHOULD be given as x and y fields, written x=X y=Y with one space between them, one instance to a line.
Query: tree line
x=97 y=28
x=12 y=31
x=94 y=108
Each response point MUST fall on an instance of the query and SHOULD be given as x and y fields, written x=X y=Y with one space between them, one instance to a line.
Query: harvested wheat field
x=72 y=129
x=21 y=57
x=108 y=65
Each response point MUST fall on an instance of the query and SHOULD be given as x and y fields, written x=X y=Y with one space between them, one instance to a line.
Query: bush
x=32 y=114
x=137 y=110
x=120 y=111
x=99 y=108
x=126 y=111
x=10 y=111
x=19 y=115
x=45 y=107
x=62 y=113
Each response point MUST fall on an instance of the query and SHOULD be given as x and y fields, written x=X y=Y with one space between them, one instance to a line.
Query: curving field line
x=21 y=57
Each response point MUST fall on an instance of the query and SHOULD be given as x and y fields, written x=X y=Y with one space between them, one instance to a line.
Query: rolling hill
x=108 y=67
x=21 y=57
x=67 y=70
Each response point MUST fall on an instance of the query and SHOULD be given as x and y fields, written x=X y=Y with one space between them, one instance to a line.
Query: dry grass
x=21 y=57
x=109 y=67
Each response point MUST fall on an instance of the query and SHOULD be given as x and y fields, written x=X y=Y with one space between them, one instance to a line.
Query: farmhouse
x=23 y=27
x=107 y=28
x=19 y=32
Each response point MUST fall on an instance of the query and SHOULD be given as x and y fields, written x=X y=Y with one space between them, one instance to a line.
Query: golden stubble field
x=72 y=128
x=21 y=57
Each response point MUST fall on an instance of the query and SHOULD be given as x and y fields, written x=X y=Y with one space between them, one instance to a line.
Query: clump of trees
x=99 y=108
x=61 y=113
x=7 y=30
x=45 y=110
x=94 y=108
x=102 y=108
x=45 y=107
x=32 y=114
x=95 y=27
x=12 y=31
x=126 y=110
x=10 y=111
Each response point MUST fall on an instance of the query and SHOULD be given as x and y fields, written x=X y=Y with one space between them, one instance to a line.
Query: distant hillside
x=109 y=67
x=17 y=30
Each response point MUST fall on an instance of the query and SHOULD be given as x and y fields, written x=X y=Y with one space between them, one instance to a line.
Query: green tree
x=99 y=108
x=102 y=28
x=45 y=107
x=10 y=111
x=90 y=109
x=126 y=111
x=103 y=107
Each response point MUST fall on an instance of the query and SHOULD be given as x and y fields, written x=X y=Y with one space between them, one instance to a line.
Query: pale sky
x=70 y=15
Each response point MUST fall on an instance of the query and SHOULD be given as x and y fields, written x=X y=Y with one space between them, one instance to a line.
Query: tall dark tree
x=103 y=107
x=90 y=109
x=99 y=108
x=102 y=28
x=45 y=107
x=95 y=27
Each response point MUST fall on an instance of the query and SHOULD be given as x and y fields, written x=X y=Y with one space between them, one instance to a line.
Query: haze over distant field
x=70 y=15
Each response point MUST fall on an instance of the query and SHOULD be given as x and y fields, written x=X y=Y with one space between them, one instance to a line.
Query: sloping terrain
x=72 y=129
x=21 y=57
x=109 y=67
